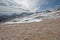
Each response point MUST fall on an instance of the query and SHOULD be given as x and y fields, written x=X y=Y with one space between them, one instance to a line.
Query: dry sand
x=44 y=30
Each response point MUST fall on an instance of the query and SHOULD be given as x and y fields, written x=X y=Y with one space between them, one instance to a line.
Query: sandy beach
x=48 y=29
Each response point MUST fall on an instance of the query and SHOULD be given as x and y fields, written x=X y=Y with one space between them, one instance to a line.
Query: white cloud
x=32 y=5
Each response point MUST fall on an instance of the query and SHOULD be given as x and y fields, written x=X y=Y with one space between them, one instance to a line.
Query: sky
x=35 y=5
x=51 y=4
x=32 y=5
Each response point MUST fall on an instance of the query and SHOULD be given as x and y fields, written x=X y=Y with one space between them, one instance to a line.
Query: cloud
x=32 y=5
x=42 y=3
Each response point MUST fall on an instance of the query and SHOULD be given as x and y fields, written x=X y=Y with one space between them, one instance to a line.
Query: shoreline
x=44 y=30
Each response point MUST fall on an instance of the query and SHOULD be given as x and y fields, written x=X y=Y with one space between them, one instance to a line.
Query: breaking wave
x=28 y=17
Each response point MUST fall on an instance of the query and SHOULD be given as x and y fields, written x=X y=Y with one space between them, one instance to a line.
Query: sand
x=48 y=29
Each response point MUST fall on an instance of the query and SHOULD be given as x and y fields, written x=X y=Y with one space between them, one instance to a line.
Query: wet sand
x=48 y=29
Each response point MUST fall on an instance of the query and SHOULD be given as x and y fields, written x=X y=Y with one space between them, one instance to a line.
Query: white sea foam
x=35 y=17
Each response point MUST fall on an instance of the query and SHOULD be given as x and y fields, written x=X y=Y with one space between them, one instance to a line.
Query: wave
x=33 y=17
